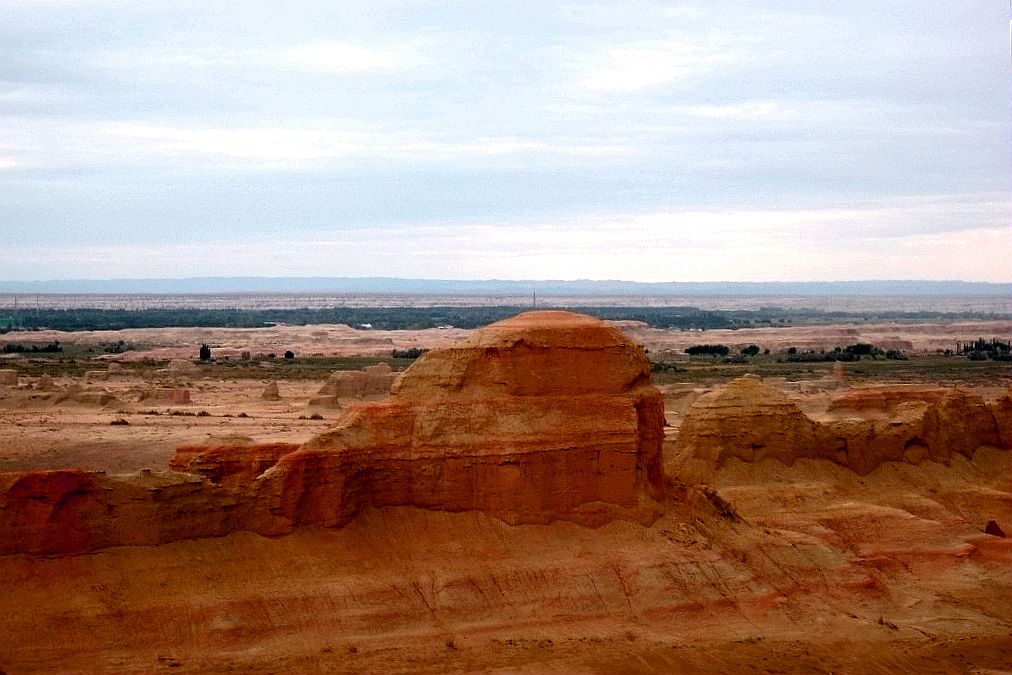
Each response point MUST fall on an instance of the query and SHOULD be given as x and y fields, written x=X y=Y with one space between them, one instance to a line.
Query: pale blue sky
x=646 y=141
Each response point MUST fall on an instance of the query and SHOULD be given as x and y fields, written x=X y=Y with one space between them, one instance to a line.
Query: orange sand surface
x=750 y=567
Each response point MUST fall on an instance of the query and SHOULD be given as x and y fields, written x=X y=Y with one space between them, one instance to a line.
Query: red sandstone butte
x=547 y=415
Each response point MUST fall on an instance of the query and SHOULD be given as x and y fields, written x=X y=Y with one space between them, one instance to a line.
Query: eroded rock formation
x=548 y=415
x=232 y=465
x=751 y=420
x=885 y=397
x=271 y=393
x=375 y=380
x=75 y=393
x=69 y=511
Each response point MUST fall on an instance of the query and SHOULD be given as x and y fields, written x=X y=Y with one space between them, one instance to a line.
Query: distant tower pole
x=534 y=289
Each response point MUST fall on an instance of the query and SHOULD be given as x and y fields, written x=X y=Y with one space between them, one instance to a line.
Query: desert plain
x=769 y=518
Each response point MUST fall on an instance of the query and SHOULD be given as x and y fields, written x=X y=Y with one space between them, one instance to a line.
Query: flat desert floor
x=815 y=568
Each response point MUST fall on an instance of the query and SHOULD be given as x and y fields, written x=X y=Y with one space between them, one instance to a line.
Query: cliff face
x=545 y=416
x=72 y=511
x=750 y=420
x=230 y=465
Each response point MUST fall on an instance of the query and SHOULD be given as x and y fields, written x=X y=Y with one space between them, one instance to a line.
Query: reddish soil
x=755 y=567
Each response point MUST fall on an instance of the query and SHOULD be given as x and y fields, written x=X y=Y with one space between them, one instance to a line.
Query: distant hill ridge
x=499 y=286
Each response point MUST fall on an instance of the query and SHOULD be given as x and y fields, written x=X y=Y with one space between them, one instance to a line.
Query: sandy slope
x=403 y=589
x=812 y=569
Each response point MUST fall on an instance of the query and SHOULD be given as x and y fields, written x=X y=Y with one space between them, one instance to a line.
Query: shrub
x=861 y=349
x=411 y=353
x=708 y=350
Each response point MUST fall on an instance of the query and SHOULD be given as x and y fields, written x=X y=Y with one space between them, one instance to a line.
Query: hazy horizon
x=636 y=140
x=421 y=286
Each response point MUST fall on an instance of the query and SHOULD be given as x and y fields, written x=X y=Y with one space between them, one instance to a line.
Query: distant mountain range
x=386 y=285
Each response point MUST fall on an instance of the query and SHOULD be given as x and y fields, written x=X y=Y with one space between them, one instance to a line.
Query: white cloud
x=292 y=145
x=139 y=144
x=645 y=66
x=749 y=110
x=342 y=57
x=689 y=113
x=697 y=245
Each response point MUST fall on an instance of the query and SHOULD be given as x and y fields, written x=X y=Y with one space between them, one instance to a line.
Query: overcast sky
x=696 y=141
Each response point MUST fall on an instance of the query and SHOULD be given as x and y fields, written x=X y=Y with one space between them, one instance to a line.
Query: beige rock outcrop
x=270 y=392
x=371 y=381
x=178 y=369
x=750 y=420
x=91 y=396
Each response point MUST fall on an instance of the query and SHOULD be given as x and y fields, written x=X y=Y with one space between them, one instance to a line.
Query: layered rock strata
x=548 y=415
x=884 y=398
x=70 y=511
x=750 y=420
